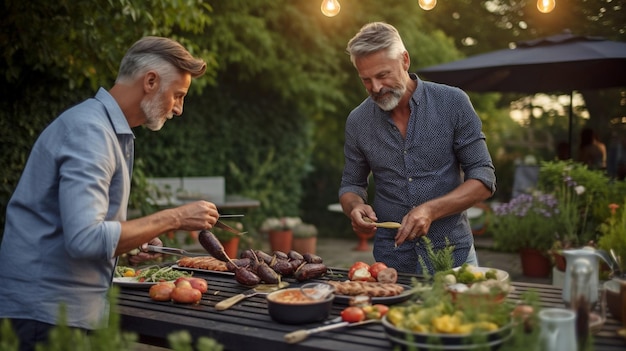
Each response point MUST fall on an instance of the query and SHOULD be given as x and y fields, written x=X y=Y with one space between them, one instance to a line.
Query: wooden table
x=247 y=326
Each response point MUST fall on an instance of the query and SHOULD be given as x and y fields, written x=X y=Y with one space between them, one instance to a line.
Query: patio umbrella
x=559 y=63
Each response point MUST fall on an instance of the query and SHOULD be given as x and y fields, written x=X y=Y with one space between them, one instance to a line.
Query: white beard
x=155 y=113
x=388 y=99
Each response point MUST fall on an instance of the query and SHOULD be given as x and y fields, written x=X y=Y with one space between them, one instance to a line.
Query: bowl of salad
x=441 y=326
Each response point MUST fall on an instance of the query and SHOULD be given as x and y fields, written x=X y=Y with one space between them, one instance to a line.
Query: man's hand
x=359 y=224
x=199 y=215
x=143 y=255
x=416 y=223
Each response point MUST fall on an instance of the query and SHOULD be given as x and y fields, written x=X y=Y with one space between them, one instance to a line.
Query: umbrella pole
x=571 y=124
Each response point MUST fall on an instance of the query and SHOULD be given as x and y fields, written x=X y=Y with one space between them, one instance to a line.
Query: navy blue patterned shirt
x=444 y=145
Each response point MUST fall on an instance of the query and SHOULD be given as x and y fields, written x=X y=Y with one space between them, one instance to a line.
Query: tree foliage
x=56 y=54
x=269 y=114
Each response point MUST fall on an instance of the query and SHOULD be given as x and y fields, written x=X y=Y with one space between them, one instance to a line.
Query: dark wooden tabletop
x=247 y=325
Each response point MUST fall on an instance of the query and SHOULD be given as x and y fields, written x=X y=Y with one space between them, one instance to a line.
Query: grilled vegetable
x=311 y=258
x=283 y=267
x=310 y=271
x=213 y=246
x=246 y=277
x=267 y=274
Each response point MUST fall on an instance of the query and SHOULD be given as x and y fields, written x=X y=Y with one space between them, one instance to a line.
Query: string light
x=546 y=6
x=330 y=8
x=427 y=4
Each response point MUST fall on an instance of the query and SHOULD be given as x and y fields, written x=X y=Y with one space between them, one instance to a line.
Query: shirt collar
x=116 y=116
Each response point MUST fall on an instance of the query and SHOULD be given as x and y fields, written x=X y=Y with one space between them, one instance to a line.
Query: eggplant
x=212 y=245
x=238 y=262
x=246 y=277
x=310 y=271
x=283 y=267
x=295 y=255
x=312 y=258
x=267 y=274
x=281 y=255
x=263 y=256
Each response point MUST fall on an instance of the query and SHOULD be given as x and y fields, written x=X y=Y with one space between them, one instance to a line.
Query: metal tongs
x=228 y=228
x=174 y=251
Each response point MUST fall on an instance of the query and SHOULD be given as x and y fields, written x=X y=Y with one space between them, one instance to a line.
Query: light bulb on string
x=427 y=4
x=330 y=8
x=546 y=6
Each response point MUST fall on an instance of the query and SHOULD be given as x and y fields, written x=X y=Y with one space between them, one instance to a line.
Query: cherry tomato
x=356 y=266
x=352 y=314
x=377 y=267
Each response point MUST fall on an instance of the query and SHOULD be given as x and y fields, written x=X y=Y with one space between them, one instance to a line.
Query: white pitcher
x=558 y=330
x=582 y=264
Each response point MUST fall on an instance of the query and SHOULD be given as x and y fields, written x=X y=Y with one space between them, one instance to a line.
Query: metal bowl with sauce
x=291 y=306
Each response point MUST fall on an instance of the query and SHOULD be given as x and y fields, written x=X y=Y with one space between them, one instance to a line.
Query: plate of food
x=132 y=282
x=418 y=327
x=468 y=274
x=383 y=293
x=476 y=283
x=145 y=277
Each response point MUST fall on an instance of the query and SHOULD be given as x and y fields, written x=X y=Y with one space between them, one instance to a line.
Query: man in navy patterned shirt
x=423 y=144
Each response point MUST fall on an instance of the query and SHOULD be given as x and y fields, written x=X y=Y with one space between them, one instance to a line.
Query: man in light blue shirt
x=66 y=222
x=422 y=143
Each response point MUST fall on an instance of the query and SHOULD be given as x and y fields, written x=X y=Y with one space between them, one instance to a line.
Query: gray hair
x=374 y=37
x=164 y=55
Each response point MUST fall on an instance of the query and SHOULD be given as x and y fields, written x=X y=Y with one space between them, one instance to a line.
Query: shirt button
x=405 y=152
x=410 y=179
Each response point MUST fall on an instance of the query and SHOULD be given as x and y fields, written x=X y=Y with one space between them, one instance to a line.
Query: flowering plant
x=573 y=210
x=282 y=223
x=527 y=221
x=613 y=232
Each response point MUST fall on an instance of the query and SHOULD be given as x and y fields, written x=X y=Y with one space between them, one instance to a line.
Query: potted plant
x=613 y=237
x=280 y=232
x=527 y=225
x=229 y=240
x=305 y=238
x=582 y=195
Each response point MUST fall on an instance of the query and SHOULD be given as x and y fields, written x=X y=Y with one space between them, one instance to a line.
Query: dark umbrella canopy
x=560 y=63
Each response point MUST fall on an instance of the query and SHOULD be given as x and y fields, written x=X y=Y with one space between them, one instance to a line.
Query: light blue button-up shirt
x=444 y=145
x=63 y=220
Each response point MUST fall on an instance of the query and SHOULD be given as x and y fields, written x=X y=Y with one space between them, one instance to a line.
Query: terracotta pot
x=305 y=245
x=559 y=261
x=280 y=240
x=614 y=301
x=535 y=263
x=363 y=245
x=231 y=247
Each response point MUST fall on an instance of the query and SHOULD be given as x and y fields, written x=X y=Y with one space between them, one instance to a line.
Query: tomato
x=377 y=267
x=199 y=283
x=352 y=314
x=186 y=295
x=362 y=274
x=161 y=291
x=356 y=266
x=183 y=282
x=376 y=311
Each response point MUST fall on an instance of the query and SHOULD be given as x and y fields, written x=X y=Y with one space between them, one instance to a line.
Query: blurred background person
x=592 y=151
